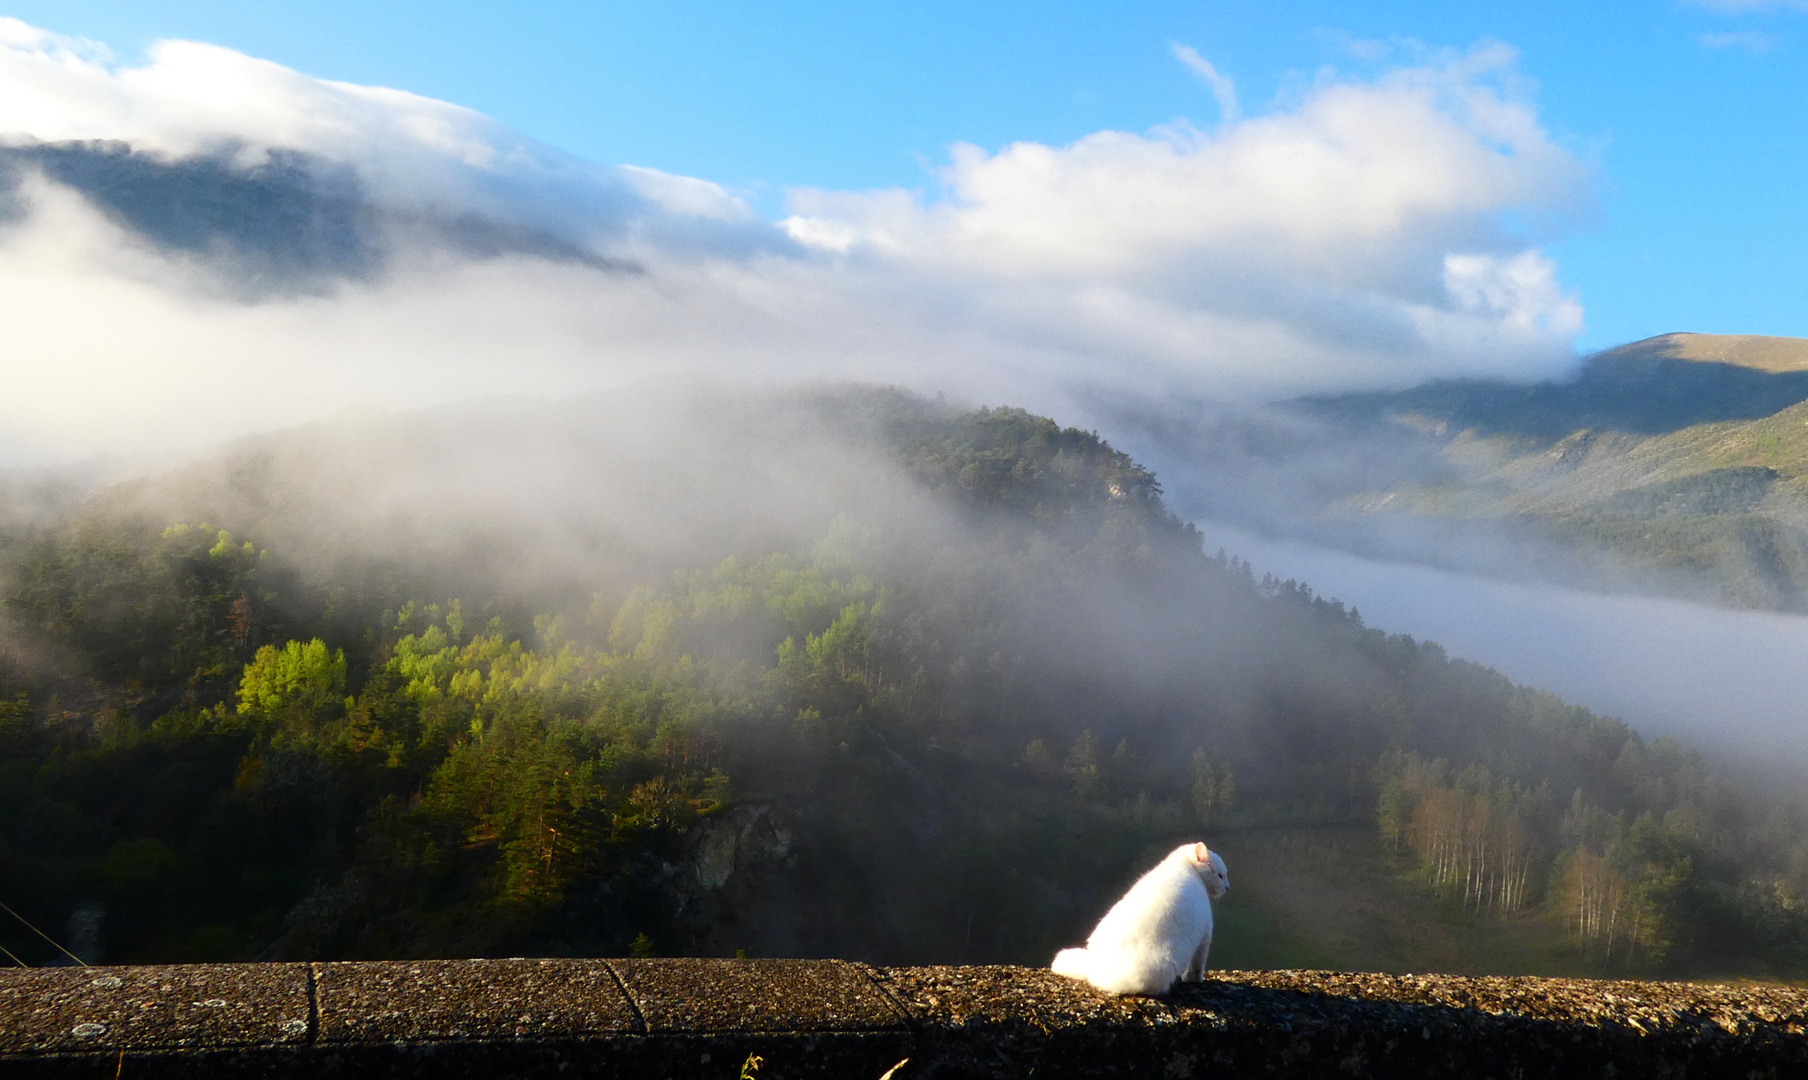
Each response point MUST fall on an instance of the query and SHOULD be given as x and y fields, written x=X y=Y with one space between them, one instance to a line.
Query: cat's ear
x=1201 y=854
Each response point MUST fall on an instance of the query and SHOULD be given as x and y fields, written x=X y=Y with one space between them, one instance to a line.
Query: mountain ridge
x=1759 y=351
x=1676 y=465
x=266 y=223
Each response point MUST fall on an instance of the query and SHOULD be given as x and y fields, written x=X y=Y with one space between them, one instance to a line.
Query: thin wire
x=14 y=959
x=43 y=935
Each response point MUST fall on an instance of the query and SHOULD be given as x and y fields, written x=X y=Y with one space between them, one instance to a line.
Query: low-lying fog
x=1724 y=680
x=1173 y=264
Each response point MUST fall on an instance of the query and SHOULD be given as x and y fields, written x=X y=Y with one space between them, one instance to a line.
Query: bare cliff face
x=737 y=891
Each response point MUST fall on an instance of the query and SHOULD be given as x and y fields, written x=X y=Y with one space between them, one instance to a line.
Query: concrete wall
x=713 y=1018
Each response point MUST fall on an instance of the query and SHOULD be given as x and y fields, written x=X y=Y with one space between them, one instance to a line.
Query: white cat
x=1161 y=930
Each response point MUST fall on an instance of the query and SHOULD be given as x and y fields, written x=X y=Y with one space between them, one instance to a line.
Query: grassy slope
x=1686 y=454
x=1334 y=898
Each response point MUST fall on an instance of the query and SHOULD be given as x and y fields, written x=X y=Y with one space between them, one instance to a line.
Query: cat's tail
x=1071 y=963
x=1119 y=971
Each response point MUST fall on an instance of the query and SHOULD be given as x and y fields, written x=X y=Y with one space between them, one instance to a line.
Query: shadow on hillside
x=1637 y=394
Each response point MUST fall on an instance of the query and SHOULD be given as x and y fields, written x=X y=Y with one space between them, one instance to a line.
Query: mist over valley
x=1669 y=466
x=1703 y=673
x=648 y=669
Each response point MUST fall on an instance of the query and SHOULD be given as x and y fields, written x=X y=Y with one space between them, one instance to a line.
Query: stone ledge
x=670 y=1018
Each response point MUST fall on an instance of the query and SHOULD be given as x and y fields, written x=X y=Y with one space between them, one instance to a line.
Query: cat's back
x=1166 y=903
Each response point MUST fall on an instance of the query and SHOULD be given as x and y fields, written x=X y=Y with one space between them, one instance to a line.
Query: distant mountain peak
x=1756 y=351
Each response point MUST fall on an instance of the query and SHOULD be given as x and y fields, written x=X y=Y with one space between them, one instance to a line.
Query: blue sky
x=1693 y=116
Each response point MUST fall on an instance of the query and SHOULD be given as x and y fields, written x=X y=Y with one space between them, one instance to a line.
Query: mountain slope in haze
x=271 y=223
x=840 y=672
x=1653 y=387
x=1674 y=465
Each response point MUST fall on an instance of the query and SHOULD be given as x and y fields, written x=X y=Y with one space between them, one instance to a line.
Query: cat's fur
x=1161 y=930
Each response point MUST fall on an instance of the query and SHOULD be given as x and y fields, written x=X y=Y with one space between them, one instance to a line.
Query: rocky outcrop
x=736 y=887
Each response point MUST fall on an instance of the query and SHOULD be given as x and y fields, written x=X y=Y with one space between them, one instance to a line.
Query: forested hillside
x=841 y=673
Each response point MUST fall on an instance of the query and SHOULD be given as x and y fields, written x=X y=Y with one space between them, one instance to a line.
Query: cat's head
x=1209 y=865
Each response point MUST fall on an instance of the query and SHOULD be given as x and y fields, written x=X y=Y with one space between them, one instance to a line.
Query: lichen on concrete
x=710 y=1018
x=102 y=1010
x=448 y=1000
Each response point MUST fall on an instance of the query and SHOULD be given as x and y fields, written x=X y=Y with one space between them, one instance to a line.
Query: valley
x=506 y=679
x=1675 y=466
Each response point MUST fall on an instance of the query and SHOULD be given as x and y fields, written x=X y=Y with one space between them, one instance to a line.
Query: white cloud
x=1319 y=238
x=412 y=152
x=1749 y=40
x=1221 y=87
x=1520 y=292
x=190 y=97
x=1355 y=238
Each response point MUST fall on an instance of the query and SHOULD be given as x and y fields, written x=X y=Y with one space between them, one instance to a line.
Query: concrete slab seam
x=313 y=1008
x=628 y=996
x=877 y=977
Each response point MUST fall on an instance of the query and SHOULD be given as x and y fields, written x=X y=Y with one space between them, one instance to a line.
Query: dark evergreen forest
x=937 y=705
